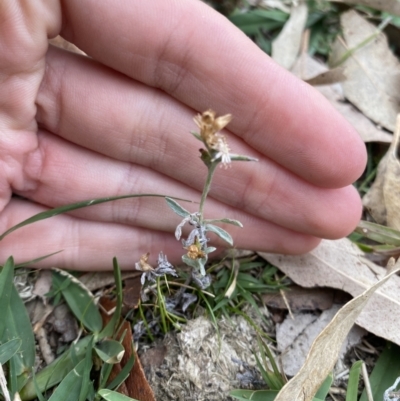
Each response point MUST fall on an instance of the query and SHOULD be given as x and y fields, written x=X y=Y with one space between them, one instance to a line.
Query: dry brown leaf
x=294 y=337
x=328 y=344
x=286 y=47
x=300 y=298
x=329 y=77
x=372 y=70
x=341 y=264
x=383 y=198
x=391 y=6
x=136 y=385
x=64 y=44
x=309 y=67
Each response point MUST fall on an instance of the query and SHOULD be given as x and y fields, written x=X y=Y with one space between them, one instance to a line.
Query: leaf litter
x=373 y=71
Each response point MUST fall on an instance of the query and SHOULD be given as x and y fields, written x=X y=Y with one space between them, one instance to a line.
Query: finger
x=70 y=173
x=134 y=123
x=89 y=245
x=204 y=61
x=85 y=245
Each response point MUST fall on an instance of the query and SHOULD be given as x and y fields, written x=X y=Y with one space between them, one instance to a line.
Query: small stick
x=3 y=384
x=367 y=384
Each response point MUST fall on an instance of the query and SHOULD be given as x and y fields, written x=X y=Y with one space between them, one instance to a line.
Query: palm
x=75 y=128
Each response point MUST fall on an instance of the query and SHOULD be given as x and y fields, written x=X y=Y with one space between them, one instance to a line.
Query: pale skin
x=74 y=128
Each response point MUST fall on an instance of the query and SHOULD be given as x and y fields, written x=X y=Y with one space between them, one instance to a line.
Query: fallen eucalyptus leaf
x=307 y=66
x=341 y=264
x=294 y=337
x=286 y=46
x=390 y=6
x=328 y=77
x=316 y=368
x=372 y=69
x=383 y=200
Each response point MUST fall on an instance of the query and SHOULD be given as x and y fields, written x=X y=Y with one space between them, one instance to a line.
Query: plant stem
x=206 y=189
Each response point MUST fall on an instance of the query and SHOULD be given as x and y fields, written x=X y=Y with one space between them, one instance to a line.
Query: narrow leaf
x=385 y=372
x=354 y=378
x=324 y=389
x=70 y=388
x=110 y=351
x=177 y=208
x=74 y=206
x=379 y=233
x=220 y=232
x=122 y=375
x=111 y=326
x=79 y=299
x=55 y=372
x=314 y=371
x=110 y=395
x=225 y=220
x=8 y=349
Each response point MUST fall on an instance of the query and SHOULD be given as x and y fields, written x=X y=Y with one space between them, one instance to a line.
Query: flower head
x=150 y=273
x=195 y=251
x=223 y=150
x=210 y=126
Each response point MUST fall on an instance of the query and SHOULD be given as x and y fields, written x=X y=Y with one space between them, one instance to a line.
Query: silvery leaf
x=177 y=208
x=225 y=220
x=221 y=233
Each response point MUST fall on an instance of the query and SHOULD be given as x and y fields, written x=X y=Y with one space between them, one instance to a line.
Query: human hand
x=76 y=128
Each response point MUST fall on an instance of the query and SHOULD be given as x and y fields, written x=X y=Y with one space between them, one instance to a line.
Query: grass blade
x=112 y=325
x=385 y=373
x=122 y=375
x=354 y=378
x=74 y=206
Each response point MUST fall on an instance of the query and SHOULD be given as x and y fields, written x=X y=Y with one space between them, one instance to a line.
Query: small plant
x=196 y=244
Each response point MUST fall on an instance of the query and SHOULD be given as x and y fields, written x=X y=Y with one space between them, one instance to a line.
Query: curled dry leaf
x=328 y=344
x=341 y=264
x=286 y=47
x=383 y=198
x=372 y=70
x=307 y=66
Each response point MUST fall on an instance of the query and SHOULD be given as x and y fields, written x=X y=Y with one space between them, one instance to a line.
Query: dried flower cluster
x=150 y=273
x=215 y=142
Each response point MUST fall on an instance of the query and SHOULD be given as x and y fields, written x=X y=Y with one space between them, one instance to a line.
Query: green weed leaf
x=110 y=351
x=220 y=232
x=70 y=388
x=15 y=322
x=9 y=349
x=109 y=395
x=55 y=372
x=79 y=299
